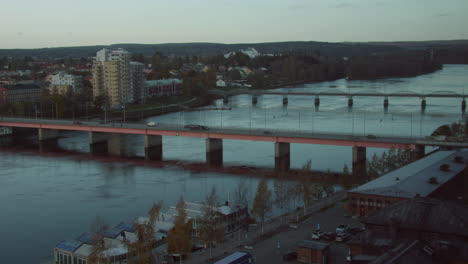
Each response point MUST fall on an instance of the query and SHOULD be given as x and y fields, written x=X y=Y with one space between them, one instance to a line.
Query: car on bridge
x=152 y=124
x=196 y=127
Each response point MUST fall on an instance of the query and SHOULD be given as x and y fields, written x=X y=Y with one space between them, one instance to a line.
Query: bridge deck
x=235 y=133
x=363 y=94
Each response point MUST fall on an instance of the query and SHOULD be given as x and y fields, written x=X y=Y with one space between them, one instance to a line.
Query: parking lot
x=271 y=250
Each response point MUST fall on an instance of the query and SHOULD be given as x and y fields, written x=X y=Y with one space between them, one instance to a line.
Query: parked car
x=329 y=236
x=355 y=230
x=317 y=234
x=152 y=124
x=292 y=255
x=267 y=132
x=342 y=237
x=341 y=228
x=371 y=136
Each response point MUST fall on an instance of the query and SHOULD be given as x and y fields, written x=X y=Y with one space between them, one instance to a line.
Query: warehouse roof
x=421 y=177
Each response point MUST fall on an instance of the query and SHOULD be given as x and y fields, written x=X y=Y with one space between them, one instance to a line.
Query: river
x=47 y=197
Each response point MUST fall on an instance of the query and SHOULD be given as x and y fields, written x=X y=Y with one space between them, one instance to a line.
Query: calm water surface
x=45 y=198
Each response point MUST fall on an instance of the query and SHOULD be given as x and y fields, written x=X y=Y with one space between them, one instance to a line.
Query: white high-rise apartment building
x=112 y=77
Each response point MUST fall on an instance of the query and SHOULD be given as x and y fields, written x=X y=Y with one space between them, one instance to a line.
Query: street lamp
x=105 y=113
x=123 y=107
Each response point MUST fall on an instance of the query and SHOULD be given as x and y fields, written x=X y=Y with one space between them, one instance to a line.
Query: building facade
x=113 y=77
x=137 y=81
x=22 y=93
x=63 y=83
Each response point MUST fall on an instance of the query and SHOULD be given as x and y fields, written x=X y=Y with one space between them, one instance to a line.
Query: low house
x=439 y=175
x=313 y=252
x=220 y=83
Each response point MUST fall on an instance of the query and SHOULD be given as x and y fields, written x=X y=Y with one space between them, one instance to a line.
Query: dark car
x=329 y=236
x=342 y=237
x=196 y=127
x=290 y=256
x=76 y=122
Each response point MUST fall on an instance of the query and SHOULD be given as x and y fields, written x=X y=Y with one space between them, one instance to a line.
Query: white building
x=220 y=83
x=64 y=83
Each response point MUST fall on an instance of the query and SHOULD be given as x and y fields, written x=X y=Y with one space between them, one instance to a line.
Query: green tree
x=262 y=201
x=179 y=239
x=388 y=161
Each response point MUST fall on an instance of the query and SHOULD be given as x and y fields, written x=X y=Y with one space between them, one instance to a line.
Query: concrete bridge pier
x=97 y=142
x=116 y=144
x=419 y=151
x=282 y=156
x=463 y=105
x=225 y=100
x=285 y=100
x=153 y=147
x=423 y=104
x=214 y=151
x=254 y=99
x=359 y=162
x=48 y=139
x=317 y=101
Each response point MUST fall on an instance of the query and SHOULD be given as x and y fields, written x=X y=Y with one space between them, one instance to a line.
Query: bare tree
x=241 y=194
x=282 y=193
x=210 y=225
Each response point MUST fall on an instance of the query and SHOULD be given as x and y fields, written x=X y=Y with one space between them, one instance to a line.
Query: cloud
x=344 y=5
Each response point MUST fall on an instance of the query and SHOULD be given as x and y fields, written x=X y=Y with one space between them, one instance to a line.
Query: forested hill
x=200 y=49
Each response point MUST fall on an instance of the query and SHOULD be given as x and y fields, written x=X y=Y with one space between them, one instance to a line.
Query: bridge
x=349 y=95
x=108 y=138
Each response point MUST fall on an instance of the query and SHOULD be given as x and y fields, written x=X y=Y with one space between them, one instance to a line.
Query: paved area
x=271 y=249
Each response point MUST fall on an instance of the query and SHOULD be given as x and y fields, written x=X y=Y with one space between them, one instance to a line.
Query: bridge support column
x=214 y=151
x=385 y=103
x=350 y=102
x=116 y=144
x=359 y=162
x=48 y=139
x=285 y=100
x=254 y=99
x=225 y=100
x=153 y=147
x=419 y=151
x=97 y=142
x=317 y=101
x=282 y=156
x=463 y=105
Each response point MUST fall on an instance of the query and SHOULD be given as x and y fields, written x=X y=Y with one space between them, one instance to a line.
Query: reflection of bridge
x=109 y=138
x=349 y=95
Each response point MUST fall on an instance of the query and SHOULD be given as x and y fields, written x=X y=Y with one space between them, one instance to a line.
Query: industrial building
x=438 y=175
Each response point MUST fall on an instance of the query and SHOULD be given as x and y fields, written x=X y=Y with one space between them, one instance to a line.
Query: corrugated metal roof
x=413 y=179
x=88 y=238
x=69 y=245
x=229 y=259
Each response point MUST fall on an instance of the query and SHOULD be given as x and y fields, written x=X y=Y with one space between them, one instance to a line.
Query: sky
x=58 y=23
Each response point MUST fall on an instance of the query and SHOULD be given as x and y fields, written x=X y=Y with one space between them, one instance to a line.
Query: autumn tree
x=179 y=239
x=140 y=250
x=210 y=226
x=262 y=202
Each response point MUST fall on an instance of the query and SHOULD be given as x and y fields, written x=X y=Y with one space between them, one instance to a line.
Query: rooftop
x=162 y=82
x=313 y=244
x=413 y=179
x=69 y=245
x=231 y=258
